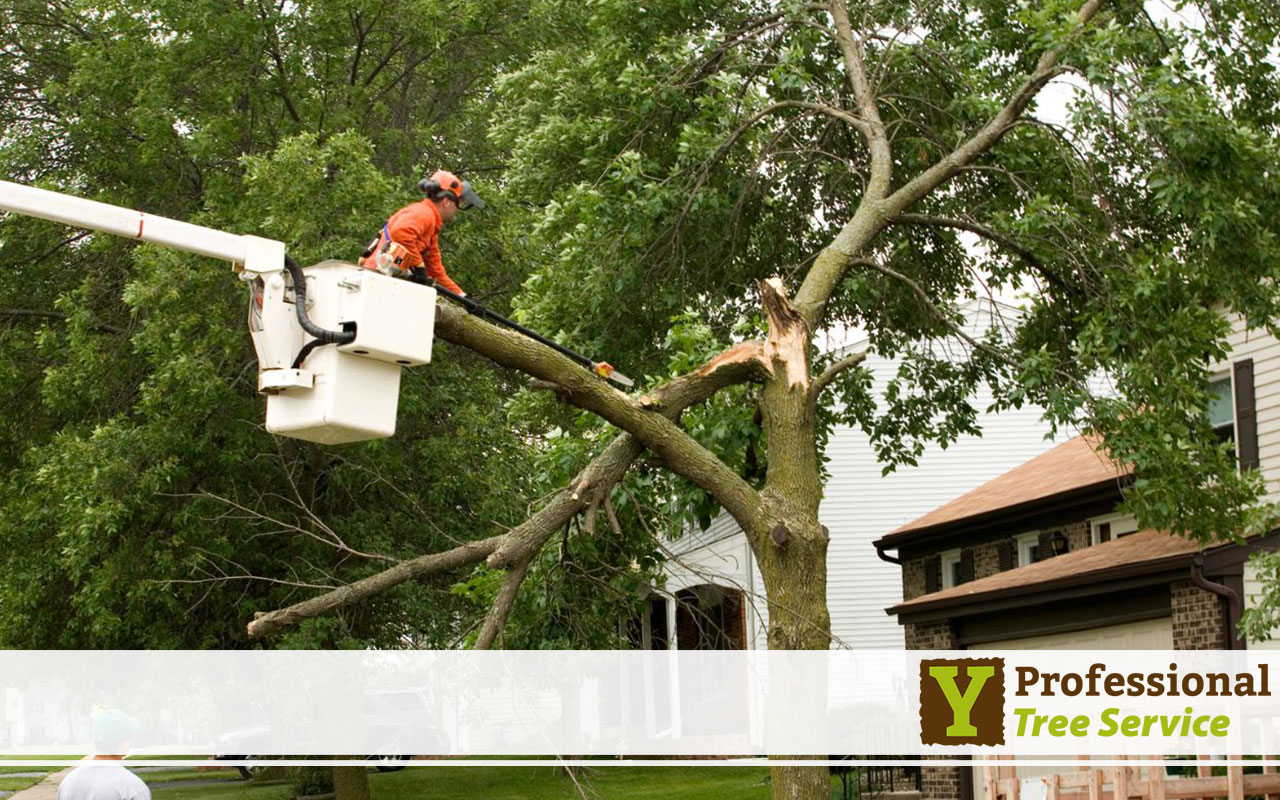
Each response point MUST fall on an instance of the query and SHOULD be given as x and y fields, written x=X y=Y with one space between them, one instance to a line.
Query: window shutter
x=1045 y=543
x=966 y=565
x=932 y=574
x=1246 y=415
x=1007 y=554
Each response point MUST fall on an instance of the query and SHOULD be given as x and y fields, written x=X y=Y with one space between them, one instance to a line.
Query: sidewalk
x=46 y=789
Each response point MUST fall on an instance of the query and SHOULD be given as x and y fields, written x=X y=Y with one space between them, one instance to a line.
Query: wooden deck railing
x=1125 y=782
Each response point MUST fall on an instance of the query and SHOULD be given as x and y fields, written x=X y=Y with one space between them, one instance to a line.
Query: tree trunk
x=351 y=783
x=801 y=783
x=795 y=579
x=789 y=542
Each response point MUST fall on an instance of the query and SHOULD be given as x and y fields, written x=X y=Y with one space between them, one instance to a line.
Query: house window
x=1233 y=412
x=951 y=569
x=1112 y=526
x=1222 y=411
x=1028 y=548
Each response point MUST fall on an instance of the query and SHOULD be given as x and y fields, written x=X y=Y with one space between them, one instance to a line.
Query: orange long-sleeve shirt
x=417 y=228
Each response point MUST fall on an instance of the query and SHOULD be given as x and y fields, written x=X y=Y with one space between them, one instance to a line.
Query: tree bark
x=789 y=542
x=801 y=783
x=351 y=783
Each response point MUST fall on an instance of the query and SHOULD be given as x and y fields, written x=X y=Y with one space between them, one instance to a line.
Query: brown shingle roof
x=1148 y=548
x=1073 y=465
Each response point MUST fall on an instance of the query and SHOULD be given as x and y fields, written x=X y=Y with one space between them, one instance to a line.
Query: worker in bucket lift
x=409 y=240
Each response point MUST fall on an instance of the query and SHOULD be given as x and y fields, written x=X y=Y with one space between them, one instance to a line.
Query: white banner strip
x=905 y=704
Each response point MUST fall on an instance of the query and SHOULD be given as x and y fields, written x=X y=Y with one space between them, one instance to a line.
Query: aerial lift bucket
x=347 y=392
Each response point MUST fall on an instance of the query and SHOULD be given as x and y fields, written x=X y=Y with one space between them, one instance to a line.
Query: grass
x=221 y=774
x=509 y=783
x=10 y=770
x=546 y=783
x=234 y=790
x=18 y=784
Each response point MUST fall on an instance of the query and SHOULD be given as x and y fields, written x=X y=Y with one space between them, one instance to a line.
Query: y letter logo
x=962 y=701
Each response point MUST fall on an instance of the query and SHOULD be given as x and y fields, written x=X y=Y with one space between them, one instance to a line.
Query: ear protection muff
x=443 y=183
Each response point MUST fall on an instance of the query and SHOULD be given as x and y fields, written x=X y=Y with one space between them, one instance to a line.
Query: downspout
x=1233 y=601
x=885 y=556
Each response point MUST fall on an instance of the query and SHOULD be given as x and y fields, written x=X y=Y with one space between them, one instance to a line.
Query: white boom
x=348 y=392
x=253 y=253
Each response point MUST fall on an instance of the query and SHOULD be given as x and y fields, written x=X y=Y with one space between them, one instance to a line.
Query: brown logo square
x=962 y=701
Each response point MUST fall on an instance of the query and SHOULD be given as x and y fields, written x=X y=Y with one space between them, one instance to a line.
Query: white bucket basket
x=356 y=387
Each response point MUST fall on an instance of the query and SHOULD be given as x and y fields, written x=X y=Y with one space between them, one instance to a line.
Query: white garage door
x=1152 y=634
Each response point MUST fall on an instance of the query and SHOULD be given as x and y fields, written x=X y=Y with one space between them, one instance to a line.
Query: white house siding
x=720 y=556
x=1263 y=348
x=861 y=506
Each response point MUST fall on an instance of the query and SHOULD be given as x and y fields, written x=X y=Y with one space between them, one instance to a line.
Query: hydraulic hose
x=300 y=305
x=304 y=352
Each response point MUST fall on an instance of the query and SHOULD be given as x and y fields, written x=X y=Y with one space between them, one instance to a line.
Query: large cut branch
x=424 y=566
x=517 y=547
x=679 y=451
x=496 y=620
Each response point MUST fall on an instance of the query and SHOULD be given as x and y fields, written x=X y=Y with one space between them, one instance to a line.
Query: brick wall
x=930 y=636
x=913 y=578
x=986 y=558
x=1078 y=535
x=1198 y=622
x=941 y=783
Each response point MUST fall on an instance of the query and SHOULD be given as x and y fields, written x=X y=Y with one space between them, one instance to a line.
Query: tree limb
x=936 y=311
x=873 y=128
x=1047 y=68
x=749 y=123
x=874 y=214
x=680 y=451
x=13 y=313
x=496 y=619
x=835 y=368
x=992 y=235
x=266 y=624
x=518 y=546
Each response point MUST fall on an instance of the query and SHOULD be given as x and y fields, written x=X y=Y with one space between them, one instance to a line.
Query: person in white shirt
x=103 y=777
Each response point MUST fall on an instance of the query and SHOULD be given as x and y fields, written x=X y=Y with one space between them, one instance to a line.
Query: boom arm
x=259 y=261
x=252 y=254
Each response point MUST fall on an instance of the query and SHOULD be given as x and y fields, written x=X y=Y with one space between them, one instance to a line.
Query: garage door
x=1152 y=634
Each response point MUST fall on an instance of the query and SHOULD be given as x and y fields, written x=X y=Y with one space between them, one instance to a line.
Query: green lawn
x=7 y=770
x=17 y=784
x=193 y=774
x=517 y=783
x=234 y=790
x=545 y=783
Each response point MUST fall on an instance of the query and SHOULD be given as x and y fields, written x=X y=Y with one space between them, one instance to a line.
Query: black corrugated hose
x=322 y=335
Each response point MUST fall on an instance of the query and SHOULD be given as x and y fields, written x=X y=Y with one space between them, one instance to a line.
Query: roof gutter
x=1005 y=516
x=885 y=556
x=1233 y=601
x=1104 y=579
